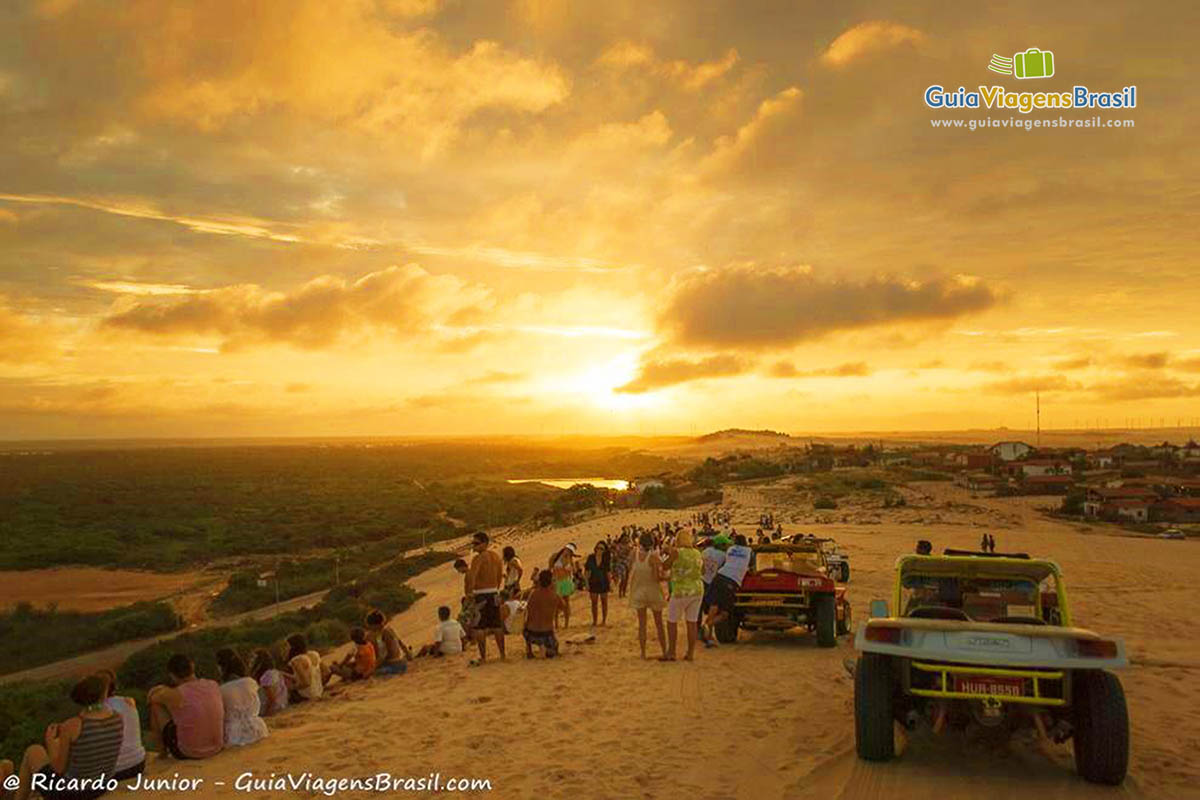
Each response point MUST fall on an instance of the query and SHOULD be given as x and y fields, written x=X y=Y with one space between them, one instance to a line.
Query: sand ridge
x=769 y=717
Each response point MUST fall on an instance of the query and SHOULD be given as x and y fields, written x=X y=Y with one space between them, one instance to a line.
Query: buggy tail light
x=883 y=634
x=1096 y=648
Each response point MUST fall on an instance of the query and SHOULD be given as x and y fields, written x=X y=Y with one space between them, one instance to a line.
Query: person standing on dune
x=484 y=578
x=686 y=567
x=562 y=566
x=599 y=580
x=645 y=590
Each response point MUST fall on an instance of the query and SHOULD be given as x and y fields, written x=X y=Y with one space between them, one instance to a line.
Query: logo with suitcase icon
x=1033 y=63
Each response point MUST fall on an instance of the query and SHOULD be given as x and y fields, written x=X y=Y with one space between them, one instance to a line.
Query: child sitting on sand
x=391 y=653
x=273 y=690
x=512 y=612
x=448 y=637
x=544 y=604
x=360 y=663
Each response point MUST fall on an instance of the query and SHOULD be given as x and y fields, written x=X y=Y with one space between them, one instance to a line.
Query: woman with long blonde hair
x=686 y=567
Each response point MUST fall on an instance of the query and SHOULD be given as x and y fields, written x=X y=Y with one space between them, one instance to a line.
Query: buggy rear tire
x=874 y=731
x=1101 y=727
x=727 y=630
x=843 y=624
x=845 y=572
x=826 y=614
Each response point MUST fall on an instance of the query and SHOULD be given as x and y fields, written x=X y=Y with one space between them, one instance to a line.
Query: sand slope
x=770 y=717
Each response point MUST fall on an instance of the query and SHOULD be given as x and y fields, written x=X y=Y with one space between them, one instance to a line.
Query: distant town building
x=1126 y=510
x=1177 y=509
x=1047 y=484
x=1010 y=451
x=640 y=485
x=1104 y=501
x=1038 y=467
x=972 y=461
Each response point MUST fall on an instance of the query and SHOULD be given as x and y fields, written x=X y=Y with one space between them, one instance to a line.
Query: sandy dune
x=769 y=717
x=91 y=588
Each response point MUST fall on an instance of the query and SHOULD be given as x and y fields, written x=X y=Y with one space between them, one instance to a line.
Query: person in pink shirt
x=187 y=714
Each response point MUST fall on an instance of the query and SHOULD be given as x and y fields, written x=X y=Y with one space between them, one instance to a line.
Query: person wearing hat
x=714 y=557
x=562 y=566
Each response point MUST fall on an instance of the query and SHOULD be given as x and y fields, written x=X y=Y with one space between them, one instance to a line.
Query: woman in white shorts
x=686 y=566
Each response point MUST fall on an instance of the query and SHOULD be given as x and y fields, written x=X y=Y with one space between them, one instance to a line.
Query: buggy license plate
x=999 y=687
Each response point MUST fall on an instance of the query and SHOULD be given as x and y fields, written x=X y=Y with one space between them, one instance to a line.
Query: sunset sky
x=241 y=217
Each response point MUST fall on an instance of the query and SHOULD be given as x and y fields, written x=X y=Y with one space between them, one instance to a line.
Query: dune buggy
x=789 y=586
x=988 y=639
x=837 y=563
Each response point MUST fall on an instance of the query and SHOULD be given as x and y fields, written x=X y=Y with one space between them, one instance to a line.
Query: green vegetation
x=715 y=471
x=843 y=482
x=174 y=507
x=27 y=708
x=325 y=625
x=30 y=636
x=824 y=502
x=659 y=497
x=297 y=577
x=840 y=483
x=1073 y=503
x=25 y=711
x=580 y=497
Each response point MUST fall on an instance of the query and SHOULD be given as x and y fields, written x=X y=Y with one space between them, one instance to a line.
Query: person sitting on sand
x=131 y=760
x=484 y=578
x=273 y=691
x=187 y=714
x=239 y=694
x=513 y=570
x=562 y=566
x=391 y=653
x=449 y=638
x=84 y=747
x=540 y=616
x=359 y=663
x=512 y=612
x=305 y=671
x=599 y=579
x=686 y=566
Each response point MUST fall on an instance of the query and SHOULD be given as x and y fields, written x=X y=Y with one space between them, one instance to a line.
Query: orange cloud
x=655 y=374
x=868 y=38
x=404 y=300
x=758 y=308
x=628 y=55
x=24 y=339
x=786 y=369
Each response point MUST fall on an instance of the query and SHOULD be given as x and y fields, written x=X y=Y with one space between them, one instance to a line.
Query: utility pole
x=1038 y=396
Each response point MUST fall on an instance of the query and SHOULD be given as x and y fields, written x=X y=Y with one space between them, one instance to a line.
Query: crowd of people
x=190 y=717
x=658 y=568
